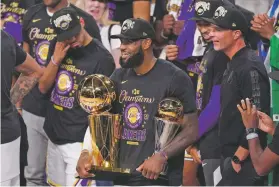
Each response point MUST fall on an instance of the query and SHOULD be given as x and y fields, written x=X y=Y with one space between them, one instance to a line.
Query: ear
x=146 y=44
x=237 y=35
x=81 y=20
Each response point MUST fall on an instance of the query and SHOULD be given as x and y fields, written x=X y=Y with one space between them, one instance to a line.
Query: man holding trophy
x=76 y=56
x=153 y=97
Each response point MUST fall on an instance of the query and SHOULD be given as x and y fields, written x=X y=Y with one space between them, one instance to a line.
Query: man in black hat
x=245 y=77
x=142 y=82
x=263 y=160
x=76 y=55
x=213 y=65
x=39 y=40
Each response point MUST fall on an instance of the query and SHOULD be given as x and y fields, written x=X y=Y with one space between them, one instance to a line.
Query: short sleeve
x=115 y=43
x=182 y=88
x=220 y=65
x=20 y=54
x=274 y=145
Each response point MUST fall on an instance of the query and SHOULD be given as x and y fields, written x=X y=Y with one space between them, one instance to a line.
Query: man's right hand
x=171 y=52
x=168 y=24
x=193 y=151
x=84 y=165
x=60 y=52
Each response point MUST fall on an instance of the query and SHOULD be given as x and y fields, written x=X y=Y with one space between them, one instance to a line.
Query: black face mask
x=134 y=61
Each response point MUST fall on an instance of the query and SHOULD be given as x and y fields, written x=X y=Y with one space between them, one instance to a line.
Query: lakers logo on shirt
x=64 y=83
x=42 y=52
x=133 y=115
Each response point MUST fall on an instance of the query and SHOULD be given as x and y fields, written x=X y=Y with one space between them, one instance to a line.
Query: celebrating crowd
x=219 y=59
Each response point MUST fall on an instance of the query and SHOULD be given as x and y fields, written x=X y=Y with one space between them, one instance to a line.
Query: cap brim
x=210 y=20
x=274 y=75
x=196 y=19
x=121 y=36
x=69 y=34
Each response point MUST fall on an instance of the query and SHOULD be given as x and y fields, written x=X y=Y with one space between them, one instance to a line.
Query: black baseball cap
x=229 y=17
x=66 y=23
x=274 y=75
x=136 y=28
x=205 y=9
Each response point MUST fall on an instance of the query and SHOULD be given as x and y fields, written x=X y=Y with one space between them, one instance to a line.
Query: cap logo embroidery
x=128 y=24
x=234 y=25
x=63 y=21
x=144 y=34
x=220 y=12
x=202 y=7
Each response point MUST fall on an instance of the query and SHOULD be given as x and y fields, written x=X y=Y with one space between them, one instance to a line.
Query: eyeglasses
x=126 y=41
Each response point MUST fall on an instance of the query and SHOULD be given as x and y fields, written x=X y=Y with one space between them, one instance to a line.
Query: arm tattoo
x=186 y=137
x=22 y=87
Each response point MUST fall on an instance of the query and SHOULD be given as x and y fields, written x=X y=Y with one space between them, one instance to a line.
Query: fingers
x=248 y=105
x=243 y=105
x=140 y=168
x=66 y=48
x=240 y=109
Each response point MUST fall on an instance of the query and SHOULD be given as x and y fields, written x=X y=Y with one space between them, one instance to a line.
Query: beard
x=134 y=61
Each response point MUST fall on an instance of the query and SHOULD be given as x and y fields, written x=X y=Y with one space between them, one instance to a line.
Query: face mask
x=134 y=61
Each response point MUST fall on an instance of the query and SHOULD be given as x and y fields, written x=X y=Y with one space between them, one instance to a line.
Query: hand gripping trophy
x=167 y=124
x=95 y=95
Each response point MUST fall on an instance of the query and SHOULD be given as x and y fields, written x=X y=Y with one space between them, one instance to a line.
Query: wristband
x=164 y=154
x=53 y=62
x=163 y=36
x=252 y=136
x=19 y=108
x=252 y=130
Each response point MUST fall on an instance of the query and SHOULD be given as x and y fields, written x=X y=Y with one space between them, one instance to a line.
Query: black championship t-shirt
x=212 y=66
x=245 y=77
x=39 y=34
x=11 y=56
x=137 y=100
x=66 y=121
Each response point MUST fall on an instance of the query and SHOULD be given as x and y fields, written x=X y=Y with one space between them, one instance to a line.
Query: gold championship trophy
x=167 y=124
x=95 y=95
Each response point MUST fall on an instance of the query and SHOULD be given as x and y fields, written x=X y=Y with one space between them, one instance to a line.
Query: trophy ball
x=170 y=109
x=96 y=93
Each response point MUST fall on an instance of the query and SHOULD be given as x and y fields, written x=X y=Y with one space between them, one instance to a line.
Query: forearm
x=18 y=104
x=186 y=137
x=48 y=78
x=209 y=116
x=241 y=153
x=23 y=86
x=255 y=153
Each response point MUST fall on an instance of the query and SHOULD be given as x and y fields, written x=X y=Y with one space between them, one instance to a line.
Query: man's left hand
x=249 y=114
x=152 y=167
x=236 y=167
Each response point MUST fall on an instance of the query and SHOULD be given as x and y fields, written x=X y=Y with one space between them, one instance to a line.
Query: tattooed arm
x=186 y=137
x=31 y=72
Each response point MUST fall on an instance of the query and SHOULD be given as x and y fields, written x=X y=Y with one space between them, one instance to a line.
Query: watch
x=252 y=130
x=236 y=160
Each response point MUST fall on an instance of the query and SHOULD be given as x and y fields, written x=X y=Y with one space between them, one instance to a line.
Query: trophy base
x=107 y=174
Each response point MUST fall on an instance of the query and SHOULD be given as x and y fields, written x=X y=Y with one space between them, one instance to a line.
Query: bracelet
x=19 y=108
x=164 y=154
x=252 y=136
x=163 y=36
x=53 y=62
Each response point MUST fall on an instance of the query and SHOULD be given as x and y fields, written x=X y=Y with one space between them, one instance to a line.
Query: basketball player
x=76 y=55
x=142 y=82
x=39 y=39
